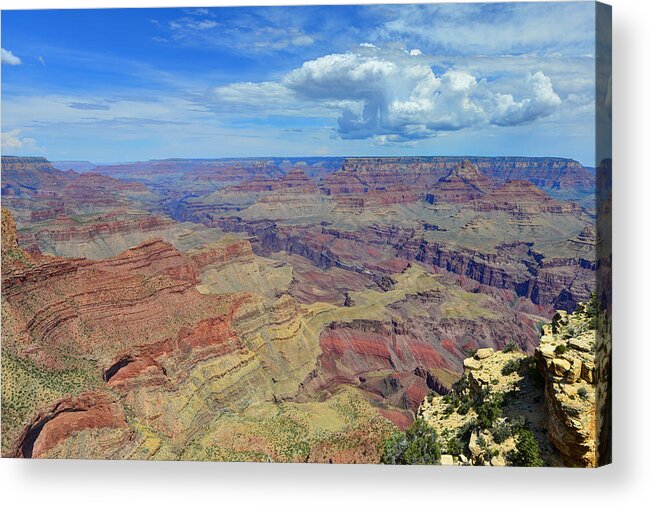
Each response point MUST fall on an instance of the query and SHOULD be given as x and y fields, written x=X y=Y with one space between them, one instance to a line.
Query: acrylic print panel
x=230 y=236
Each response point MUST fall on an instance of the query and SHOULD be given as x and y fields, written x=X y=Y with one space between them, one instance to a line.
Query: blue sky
x=448 y=79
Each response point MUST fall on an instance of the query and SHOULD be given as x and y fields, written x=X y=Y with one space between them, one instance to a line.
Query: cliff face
x=522 y=197
x=548 y=173
x=566 y=359
x=294 y=181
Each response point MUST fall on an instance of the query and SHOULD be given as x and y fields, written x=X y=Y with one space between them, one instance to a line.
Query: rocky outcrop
x=551 y=395
x=566 y=359
x=66 y=417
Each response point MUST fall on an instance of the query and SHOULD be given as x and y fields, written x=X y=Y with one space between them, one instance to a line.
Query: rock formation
x=566 y=359
x=463 y=183
x=522 y=197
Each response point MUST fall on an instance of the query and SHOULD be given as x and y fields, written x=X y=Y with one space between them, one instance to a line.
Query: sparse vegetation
x=454 y=446
x=511 y=347
x=488 y=409
x=501 y=432
x=582 y=392
x=511 y=366
x=527 y=451
x=560 y=349
x=418 y=445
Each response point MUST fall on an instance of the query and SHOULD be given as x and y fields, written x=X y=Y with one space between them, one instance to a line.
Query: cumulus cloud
x=12 y=142
x=8 y=58
x=393 y=97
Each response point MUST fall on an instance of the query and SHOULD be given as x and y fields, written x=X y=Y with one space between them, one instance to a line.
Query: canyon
x=272 y=309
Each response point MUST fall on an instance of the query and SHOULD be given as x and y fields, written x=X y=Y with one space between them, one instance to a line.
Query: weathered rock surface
x=566 y=359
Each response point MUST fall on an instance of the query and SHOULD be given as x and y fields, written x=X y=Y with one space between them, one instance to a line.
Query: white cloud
x=8 y=58
x=388 y=93
x=13 y=143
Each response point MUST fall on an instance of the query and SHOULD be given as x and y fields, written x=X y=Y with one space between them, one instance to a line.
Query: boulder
x=580 y=345
x=484 y=353
x=473 y=446
x=447 y=459
x=471 y=364
x=498 y=461
x=560 y=367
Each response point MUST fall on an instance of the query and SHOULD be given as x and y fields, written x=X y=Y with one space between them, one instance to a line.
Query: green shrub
x=464 y=407
x=527 y=451
x=511 y=366
x=591 y=310
x=488 y=409
x=454 y=446
x=582 y=392
x=560 y=349
x=501 y=432
x=511 y=347
x=418 y=445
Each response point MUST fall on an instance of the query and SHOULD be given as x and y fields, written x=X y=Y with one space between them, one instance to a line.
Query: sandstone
x=498 y=461
x=560 y=366
x=483 y=353
x=571 y=426
x=580 y=345
x=471 y=364
x=547 y=351
x=447 y=460
x=473 y=446
x=575 y=371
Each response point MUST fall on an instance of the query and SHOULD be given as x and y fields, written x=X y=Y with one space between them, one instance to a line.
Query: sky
x=449 y=79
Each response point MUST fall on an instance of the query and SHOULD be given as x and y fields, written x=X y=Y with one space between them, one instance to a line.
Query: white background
x=626 y=482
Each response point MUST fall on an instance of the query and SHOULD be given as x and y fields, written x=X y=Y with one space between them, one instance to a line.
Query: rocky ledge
x=512 y=409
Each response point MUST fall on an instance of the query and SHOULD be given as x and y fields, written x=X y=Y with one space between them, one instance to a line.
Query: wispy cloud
x=244 y=31
x=490 y=28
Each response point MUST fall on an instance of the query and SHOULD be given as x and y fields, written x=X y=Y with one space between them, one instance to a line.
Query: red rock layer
x=111 y=223
x=464 y=183
x=49 y=428
x=522 y=197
